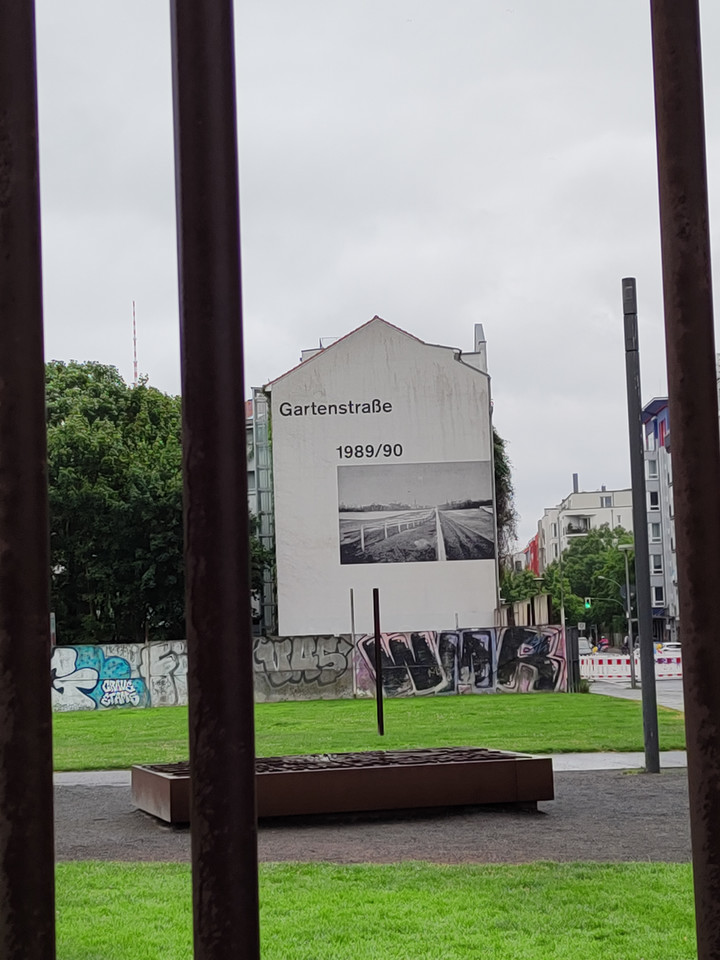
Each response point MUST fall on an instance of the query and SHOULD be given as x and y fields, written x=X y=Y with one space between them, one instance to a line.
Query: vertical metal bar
x=27 y=907
x=690 y=343
x=628 y=617
x=378 y=663
x=353 y=640
x=640 y=526
x=217 y=562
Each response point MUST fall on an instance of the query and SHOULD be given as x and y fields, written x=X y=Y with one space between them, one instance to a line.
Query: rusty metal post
x=693 y=405
x=379 y=706
x=27 y=892
x=217 y=561
x=639 y=514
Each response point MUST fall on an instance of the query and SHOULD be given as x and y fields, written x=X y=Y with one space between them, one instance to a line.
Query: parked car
x=669 y=650
x=584 y=647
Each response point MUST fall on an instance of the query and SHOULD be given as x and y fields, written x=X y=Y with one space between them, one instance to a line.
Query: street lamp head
x=626 y=546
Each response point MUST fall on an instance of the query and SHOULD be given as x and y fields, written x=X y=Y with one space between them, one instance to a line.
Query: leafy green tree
x=518 y=585
x=115 y=485
x=594 y=567
x=507 y=516
x=116 y=527
x=261 y=558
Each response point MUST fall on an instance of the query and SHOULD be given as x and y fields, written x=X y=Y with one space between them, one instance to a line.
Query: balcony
x=577 y=527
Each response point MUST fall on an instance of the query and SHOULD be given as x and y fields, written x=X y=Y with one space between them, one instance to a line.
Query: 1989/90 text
x=368 y=451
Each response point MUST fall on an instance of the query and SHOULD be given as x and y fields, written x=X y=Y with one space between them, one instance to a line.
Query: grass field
x=411 y=911
x=537 y=723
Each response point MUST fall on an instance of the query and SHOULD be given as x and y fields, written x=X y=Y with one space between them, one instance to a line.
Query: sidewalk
x=669 y=693
x=562 y=763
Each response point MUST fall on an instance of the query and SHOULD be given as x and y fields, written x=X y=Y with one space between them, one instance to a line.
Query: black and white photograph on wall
x=416 y=512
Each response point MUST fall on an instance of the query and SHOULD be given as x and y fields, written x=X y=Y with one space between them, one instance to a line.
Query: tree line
x=593 y=567
x=116 y=518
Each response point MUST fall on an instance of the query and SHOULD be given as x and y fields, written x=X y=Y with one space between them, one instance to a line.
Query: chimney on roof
x=575 y=483
x=480 y=347
x=603 y=488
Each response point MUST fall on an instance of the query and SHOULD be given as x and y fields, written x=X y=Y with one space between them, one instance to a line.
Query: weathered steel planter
x=356 y=782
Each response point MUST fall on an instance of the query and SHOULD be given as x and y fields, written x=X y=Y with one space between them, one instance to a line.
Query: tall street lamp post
x=562 y=587
x=628 y=613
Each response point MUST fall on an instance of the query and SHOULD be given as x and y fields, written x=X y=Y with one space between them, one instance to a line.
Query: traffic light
x=588 y=603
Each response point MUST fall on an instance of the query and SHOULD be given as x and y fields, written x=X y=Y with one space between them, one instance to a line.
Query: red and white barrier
x=600 y=666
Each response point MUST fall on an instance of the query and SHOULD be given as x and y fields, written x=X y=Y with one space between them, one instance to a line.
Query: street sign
x=581 y=626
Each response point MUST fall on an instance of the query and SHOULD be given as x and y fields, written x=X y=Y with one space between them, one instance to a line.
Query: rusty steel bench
x=361 y=782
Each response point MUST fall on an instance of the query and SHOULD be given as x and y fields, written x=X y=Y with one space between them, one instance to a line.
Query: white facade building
x=579 y=513
x=661 y=520
x=382 y=476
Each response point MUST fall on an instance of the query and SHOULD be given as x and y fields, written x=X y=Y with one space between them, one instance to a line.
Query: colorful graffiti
x=419 y=663
x=92 y=678
x=464 y=661
x=429 y=662
x=318 y=666
x=531 y=659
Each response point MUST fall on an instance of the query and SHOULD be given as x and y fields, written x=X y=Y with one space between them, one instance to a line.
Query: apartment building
x=580 y=512
x=660 y=520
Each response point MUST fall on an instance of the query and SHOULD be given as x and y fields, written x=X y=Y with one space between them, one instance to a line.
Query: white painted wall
x=433 y=405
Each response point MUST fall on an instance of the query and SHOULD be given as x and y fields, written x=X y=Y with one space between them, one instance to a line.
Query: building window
x=654 y=498
x=554 y=530
x=655 y=533
x=555 y=551
x=605 y=501
x=652 y=469
x=619 y=520
x=658 y=596
x=657 y=563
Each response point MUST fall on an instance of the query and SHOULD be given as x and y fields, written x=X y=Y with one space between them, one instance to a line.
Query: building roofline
x=323 y=350
x=653 y=408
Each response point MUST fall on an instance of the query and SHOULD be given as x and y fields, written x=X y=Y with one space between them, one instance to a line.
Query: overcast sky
x=437 y=164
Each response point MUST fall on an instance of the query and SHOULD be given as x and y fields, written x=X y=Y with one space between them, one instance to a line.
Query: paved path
x=669 y=693
x=562 y=762
x=607 y=815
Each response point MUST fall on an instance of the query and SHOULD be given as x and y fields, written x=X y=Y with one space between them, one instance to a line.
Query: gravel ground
x=597 y=815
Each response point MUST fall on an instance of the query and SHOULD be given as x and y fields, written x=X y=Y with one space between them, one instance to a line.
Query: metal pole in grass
x=217 y=560
x=27 y=886
x=690 y=345
x=352 y=639
x=378 y=663
x=639 y=514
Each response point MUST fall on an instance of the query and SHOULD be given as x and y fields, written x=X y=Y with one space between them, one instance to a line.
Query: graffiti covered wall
x=505 y=659
x=164 y=668
x=422 y=663
x=97 y=678
x=531 y=660
x=303 y=668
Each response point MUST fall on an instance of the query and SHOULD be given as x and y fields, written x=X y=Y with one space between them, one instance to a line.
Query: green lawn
x=532 y=723
x=411 y=911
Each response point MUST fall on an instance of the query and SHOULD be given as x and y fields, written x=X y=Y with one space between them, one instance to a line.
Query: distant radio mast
x=135 y=375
